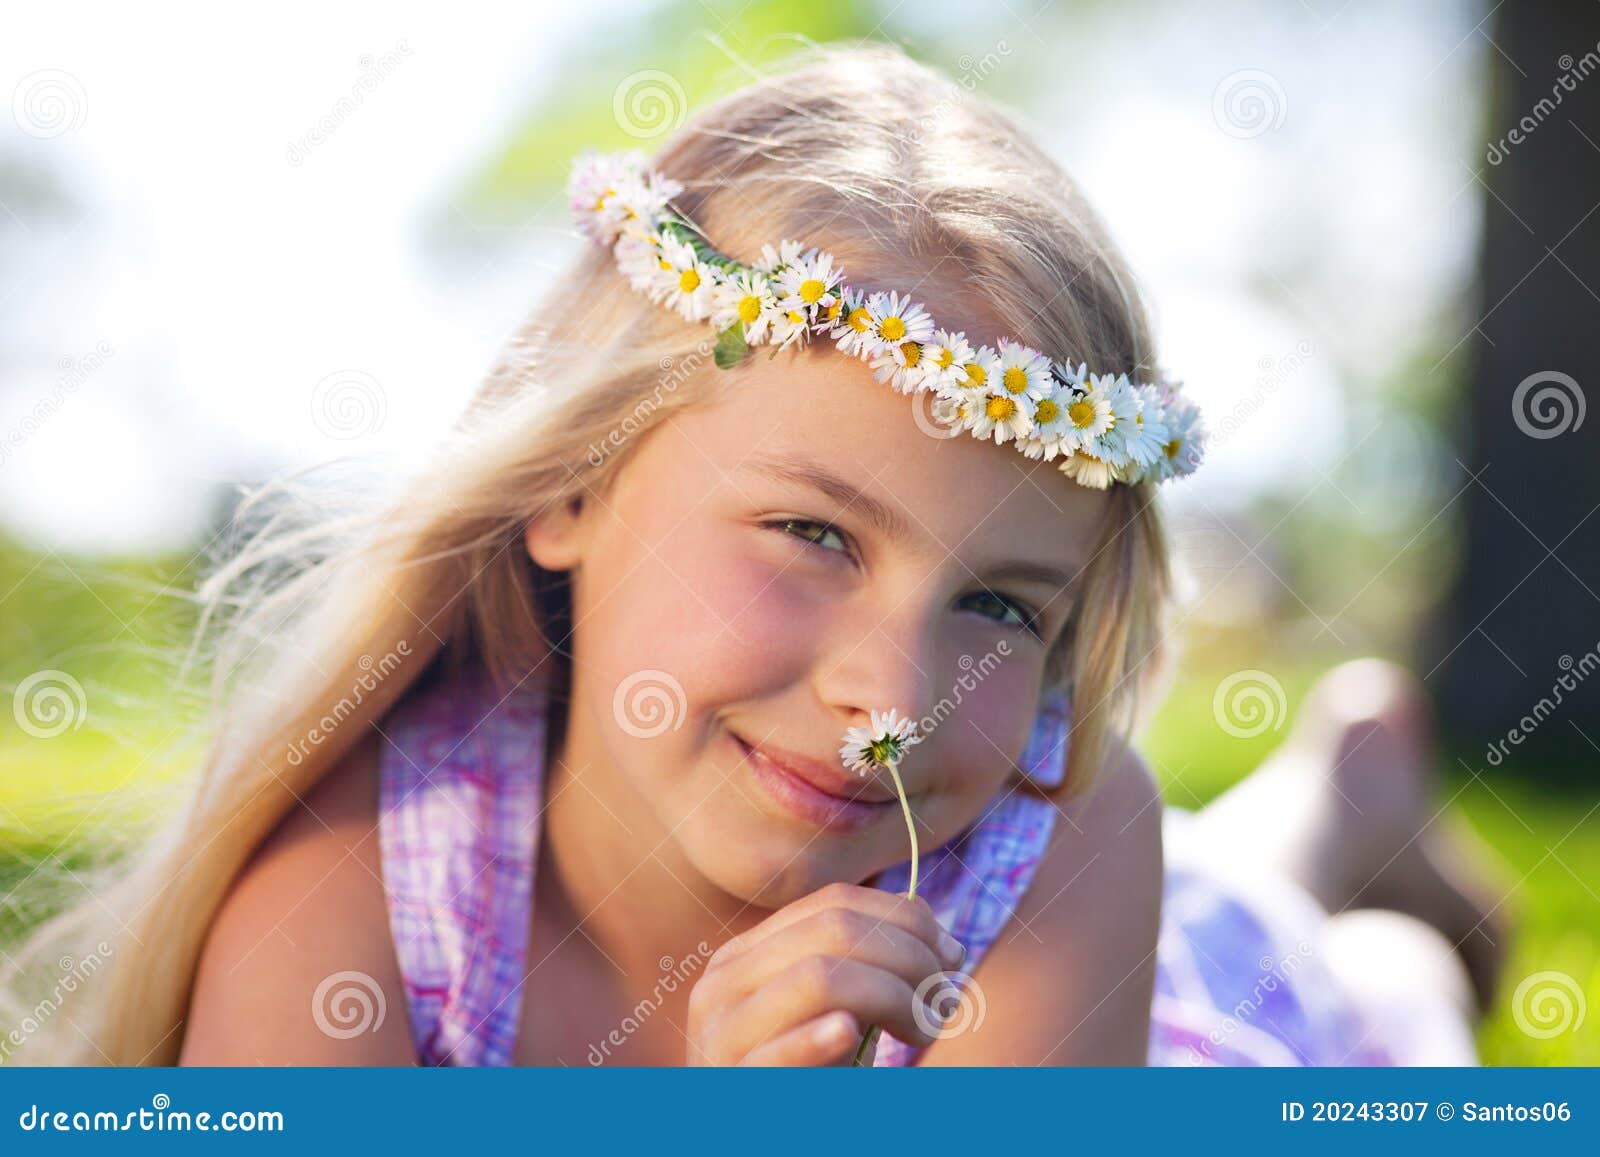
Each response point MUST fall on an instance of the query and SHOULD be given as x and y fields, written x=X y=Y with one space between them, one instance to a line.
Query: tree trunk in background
x=1522 y=624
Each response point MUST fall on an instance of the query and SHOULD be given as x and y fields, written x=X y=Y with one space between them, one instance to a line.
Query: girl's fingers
x=818 y=985
x=836 y=932
x=911 y=914
x=830 y=1039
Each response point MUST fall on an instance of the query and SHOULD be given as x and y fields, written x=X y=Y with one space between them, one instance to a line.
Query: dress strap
x=459 y=805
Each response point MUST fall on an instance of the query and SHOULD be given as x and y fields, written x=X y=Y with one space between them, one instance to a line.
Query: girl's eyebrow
x=799 y=470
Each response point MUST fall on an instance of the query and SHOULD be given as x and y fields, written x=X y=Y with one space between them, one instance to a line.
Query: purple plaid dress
x=1239 y=978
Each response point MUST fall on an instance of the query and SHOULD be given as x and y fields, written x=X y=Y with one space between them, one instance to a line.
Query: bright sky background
x=1285 y=267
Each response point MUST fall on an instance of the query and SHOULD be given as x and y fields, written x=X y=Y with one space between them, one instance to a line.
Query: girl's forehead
x=807 y=419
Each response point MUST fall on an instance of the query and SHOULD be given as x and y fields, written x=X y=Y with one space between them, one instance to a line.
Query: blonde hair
x=839 y=149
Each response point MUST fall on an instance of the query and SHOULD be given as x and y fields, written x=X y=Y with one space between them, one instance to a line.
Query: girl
x=537 y=765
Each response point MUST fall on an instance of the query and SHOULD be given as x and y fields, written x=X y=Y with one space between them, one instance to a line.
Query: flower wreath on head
x=1102 y=427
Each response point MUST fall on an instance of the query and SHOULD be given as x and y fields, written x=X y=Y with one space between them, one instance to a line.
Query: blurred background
x=1368 y=232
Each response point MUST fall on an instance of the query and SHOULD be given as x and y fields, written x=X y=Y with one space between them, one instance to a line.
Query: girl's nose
x=877 y=665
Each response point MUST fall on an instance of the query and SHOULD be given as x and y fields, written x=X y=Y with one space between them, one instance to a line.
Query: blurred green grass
x=1548 y=836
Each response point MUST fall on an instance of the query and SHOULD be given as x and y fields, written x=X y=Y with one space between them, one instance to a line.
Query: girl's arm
x=308 y=905
x=1070 y=977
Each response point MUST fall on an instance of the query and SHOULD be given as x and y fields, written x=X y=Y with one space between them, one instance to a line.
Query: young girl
x=539 y=764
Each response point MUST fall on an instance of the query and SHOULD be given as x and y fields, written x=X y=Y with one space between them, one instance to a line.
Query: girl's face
x=771 y=567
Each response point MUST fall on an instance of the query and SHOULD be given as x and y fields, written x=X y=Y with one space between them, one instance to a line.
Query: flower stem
x=911 y=891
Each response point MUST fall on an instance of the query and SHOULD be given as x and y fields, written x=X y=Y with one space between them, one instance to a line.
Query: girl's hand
x=801 y=987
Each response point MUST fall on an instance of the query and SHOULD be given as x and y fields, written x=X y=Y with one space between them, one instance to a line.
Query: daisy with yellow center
x=1049 y=425
x=882 y=744
x=809 y=284
x=944 y=358
x=1001 y=416
x=897 y=319
x=745 y=299
x=853 y=331
x=903 y=366
x=1024 y=372
x=978 y=371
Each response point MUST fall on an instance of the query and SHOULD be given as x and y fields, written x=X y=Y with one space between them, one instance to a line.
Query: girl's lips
x=808 y=801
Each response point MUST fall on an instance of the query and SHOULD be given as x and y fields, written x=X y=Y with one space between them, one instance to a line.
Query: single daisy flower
x=789 y=326
x=1050 y=427
x=685 y=282
x=897 y=319
x=945 y=356
x=1002 y=416
x=956 y=409
x=772 y=260
x=1023 y=371
x=1088 y=418
x=882 y=743
x=903 y=366
x=1087 y=470
x=745 y=298
x=1145 y=438
x=853 y=329
x=810 y=284
x=980 y=369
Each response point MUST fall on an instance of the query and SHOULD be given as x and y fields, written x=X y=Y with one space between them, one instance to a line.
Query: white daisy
x=1186 y=438
x=1145 y=438
x=772 y=260
x=1088 y=419
x=745 y=298
x=897 y=319
x=945 y=356
x=903 y=366
x=852 y=329
x=789 y=326
x=1050 y=426
x=956 y=409
x=1001 y=415
x=1087 y=470
x=809 y=283
x=1023 y=371
x=592 y=192
x=978 y=371
x=1124 y=405
x=882 y=742
x=687 y=283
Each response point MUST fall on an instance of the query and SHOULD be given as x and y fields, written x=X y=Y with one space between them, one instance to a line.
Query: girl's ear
x=553 y=538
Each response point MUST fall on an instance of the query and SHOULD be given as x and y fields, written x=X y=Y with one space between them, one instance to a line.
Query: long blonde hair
x=317 y=626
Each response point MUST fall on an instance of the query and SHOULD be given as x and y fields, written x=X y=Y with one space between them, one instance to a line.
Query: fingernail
x=952 y=949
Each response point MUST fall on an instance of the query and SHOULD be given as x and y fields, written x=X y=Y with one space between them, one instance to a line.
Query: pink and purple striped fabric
x=460 y=808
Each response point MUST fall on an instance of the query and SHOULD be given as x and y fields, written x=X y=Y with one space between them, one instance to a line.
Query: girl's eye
x=991 y=606
x=815 y=533
x=997 y=607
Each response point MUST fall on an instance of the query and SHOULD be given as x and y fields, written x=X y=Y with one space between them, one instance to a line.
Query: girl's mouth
x=806 y=799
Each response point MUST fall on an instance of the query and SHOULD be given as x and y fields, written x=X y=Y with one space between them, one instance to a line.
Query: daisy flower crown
x=1102 y=427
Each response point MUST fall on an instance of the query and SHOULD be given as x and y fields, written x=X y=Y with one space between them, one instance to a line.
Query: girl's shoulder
x=1077 y=960
x=299 y=965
